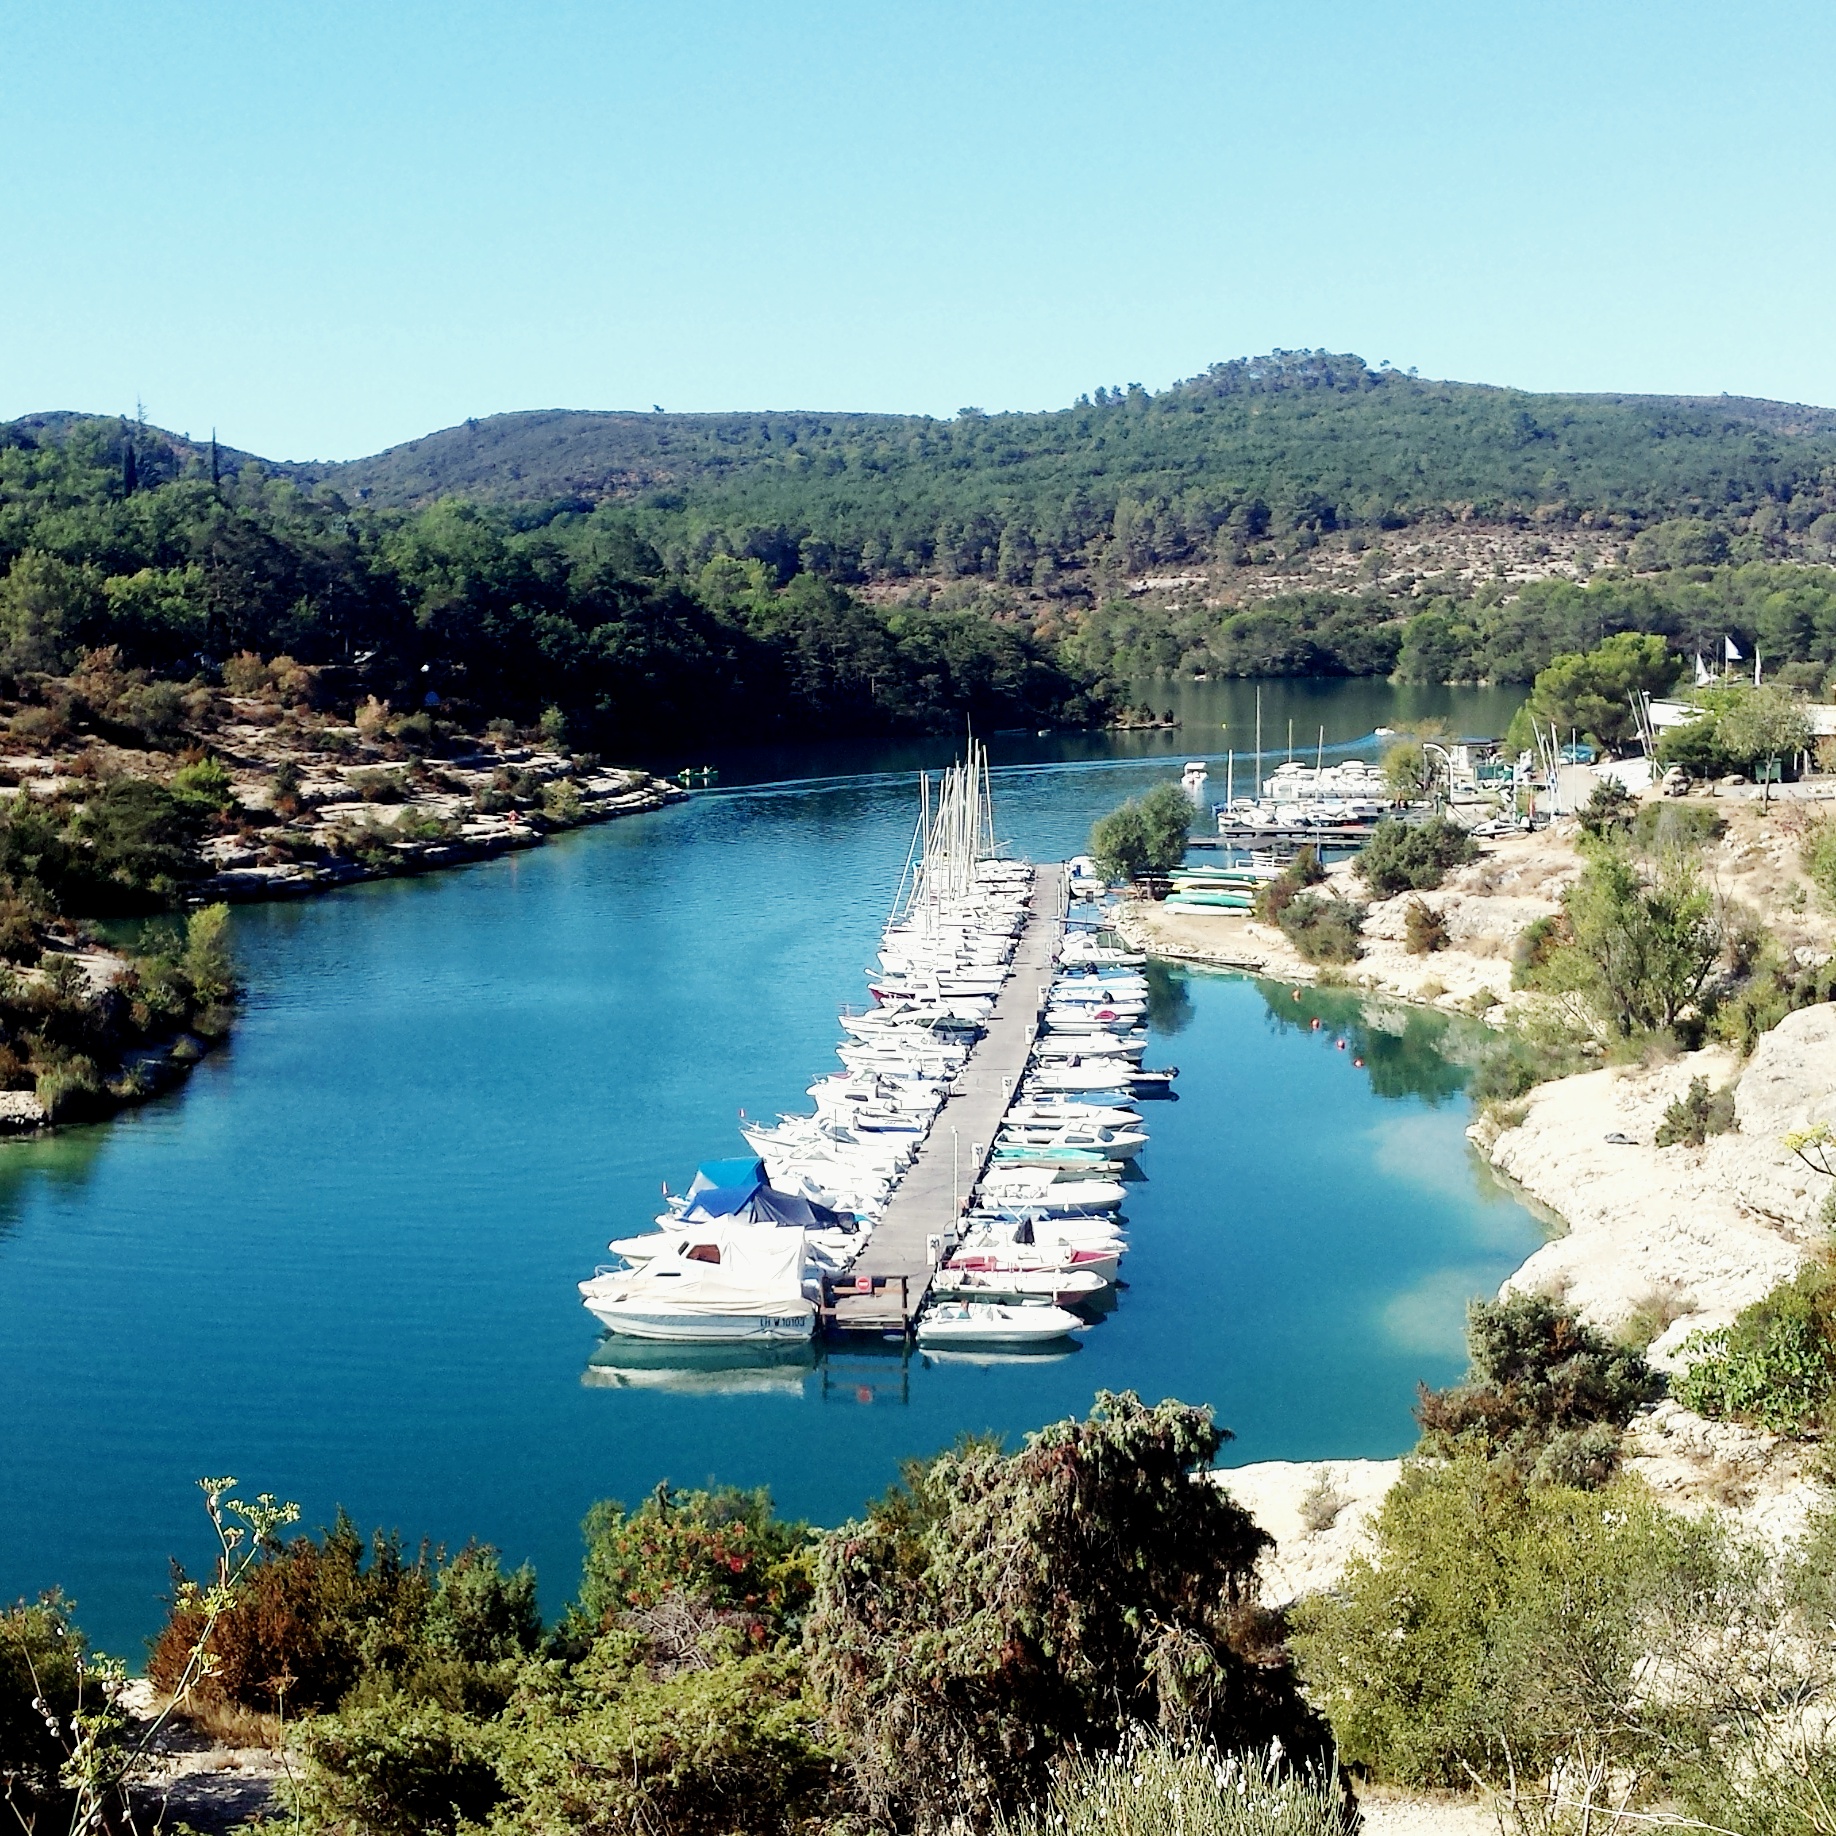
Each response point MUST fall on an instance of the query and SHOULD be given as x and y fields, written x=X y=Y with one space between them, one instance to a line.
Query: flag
x=1702 y=671
x=1730 y=650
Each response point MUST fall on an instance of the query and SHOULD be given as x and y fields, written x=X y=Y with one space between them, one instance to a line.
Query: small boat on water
x=1062 y=1287
x=720 y=1286
x=959 y=1323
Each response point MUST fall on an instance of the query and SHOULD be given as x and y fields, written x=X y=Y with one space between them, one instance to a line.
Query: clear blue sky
x=324 y=228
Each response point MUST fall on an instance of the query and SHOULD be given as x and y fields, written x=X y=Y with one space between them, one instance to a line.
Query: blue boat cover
x=762 y=1204
x=743 y=1170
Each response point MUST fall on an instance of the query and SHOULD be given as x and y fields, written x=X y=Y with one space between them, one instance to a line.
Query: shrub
x=21 y=938
x=561 y=802
x=311 y=1621
x=1424 y=929
x=1529 y=1051
x=205 y=782
x=1817 y=853
x=399 y=1770
x=1696 y=1115
x=1546 y=1394
x=1274 y=896
x=379 y=786
x=417 y=732
x=1156 y=1787
x=1607 y=814
x=1496 y=1631
x=1640 y=946
x=722 y=1547
x=1666 y=825
x=1405 y=856
x=1774 y=988
x=1324 y=930
x=998 y=1612
x=71 y=1091
x=726 y=1748
x=41 y=1658
x=1775 y=1367
x=245 y=674
x=139 y=848
x=1533 y=947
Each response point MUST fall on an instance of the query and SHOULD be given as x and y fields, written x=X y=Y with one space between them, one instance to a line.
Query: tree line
x=1284 y=447
x=115 y=537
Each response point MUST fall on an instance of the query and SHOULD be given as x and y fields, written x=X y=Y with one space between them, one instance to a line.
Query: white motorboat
x=1063 y=1287
x=720 y=1286
x=955 y=1323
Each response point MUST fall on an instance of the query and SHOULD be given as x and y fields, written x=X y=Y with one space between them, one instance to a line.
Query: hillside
x=1292 y=444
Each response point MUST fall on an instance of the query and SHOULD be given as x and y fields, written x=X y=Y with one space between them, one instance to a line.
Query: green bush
x=1532 y=948
x=1608 y=811
x=1324 y=930
x=1775 y=1367
x=1817 y=853
x=1413 y=856
x=137 y=849
x=1497 y=1630
x=1697 y=747
x=620 y=1747
x=1696 y=1115
x=1667 y=825
x=398 y=1770
x=561 y=802
x=379 y=786
x=1546 y=1395
x=1640 y=944
x=71 y=1091
x=1274 y=896
x=1773 y=988
x=1528 y=1050
x=41 y=1658
x=999 y=1612
x=207 y=783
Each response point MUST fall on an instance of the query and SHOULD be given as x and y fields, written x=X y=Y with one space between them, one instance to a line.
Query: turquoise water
x=341 y=1263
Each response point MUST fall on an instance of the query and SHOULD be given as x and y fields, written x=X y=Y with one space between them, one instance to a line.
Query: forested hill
x=1291 y=443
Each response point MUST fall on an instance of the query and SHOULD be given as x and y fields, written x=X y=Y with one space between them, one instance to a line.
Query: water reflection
x=1407 y=1051
x=60 y=1164
x=620 y=1363
x=1169 y=1001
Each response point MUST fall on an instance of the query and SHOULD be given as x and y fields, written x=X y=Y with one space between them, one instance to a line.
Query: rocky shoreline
x=1680 y=1237
x=357 y=839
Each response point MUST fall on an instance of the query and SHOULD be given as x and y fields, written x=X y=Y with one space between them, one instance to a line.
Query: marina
x=907 y=1176
x=449 y=1092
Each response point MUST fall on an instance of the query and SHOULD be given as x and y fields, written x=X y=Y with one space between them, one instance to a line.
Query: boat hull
x=788 y=1327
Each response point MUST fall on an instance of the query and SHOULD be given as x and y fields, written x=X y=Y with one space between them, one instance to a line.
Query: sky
x=324 y=228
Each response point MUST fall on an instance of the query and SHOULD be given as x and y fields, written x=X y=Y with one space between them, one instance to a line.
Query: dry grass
x=226 y=1725
x=1662 y=1306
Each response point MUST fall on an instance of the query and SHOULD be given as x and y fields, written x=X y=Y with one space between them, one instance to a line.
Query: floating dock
x=886 y=1287
x=1248 y=836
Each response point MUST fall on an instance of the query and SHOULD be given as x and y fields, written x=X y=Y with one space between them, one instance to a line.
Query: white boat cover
x=757 y=1271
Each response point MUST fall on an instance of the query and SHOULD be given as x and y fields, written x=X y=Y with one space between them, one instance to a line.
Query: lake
x=341 y=1263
